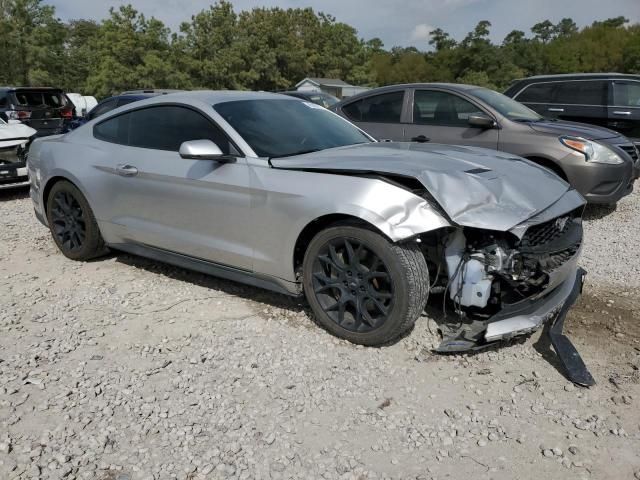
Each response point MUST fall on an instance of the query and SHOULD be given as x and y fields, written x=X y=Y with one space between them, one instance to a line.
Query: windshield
x=323 y=99
x=281 y=128
x=506 y=106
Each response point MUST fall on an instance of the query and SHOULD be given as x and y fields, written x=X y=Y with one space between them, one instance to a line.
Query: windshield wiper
x=301 y=152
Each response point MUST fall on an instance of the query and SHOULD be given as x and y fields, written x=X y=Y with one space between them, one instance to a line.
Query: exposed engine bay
x=481 y=273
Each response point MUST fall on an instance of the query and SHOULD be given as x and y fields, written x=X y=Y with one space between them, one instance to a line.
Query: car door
x=582 y=101
x=624 y=113
x=380 y=115
x=198 y=208
x=443 y=117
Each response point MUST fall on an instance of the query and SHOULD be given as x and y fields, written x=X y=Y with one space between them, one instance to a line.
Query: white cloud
x=390 y=20
x=420 y=32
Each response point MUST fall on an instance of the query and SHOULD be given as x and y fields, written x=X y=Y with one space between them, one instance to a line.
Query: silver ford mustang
x=282 y=194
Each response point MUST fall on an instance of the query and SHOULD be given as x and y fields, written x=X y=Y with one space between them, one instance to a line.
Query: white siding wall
x=308 y=87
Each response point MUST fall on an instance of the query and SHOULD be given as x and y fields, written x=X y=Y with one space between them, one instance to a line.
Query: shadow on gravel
x=14 y=194
x=277 y=300
x=596 y=212
x=229 y=287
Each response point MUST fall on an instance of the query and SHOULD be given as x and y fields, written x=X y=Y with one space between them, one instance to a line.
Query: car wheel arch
x=59 y=177
x=49 y=185
x=315 y=226
x=549 y=164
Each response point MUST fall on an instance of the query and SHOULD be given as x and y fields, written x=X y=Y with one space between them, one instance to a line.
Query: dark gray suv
x=609 y=100
x=600 y=163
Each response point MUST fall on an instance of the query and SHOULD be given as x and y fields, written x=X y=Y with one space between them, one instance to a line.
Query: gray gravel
x=612 y=243
x=124 y=369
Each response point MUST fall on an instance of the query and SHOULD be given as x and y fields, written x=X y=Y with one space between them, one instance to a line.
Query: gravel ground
x=124 y=369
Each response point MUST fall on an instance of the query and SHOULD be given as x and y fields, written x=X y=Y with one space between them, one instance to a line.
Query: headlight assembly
x=592 y=151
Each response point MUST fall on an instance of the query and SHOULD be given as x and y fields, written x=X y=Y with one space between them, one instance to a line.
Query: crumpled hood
x=476 y=187
x=590 y=132
x=12 y=134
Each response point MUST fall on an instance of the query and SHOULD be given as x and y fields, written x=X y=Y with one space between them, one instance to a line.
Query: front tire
x=363 y=288
x=73 y=227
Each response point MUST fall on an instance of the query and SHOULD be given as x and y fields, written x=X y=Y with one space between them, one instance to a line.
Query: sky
x=402 y=23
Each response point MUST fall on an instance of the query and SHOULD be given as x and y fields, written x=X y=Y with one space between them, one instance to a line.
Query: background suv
x=46 y=110
x=609 y=100
x=112 y=103
x=600 y=163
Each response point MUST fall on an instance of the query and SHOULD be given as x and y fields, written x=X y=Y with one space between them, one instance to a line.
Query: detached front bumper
x=526 y=317
x=530 y=315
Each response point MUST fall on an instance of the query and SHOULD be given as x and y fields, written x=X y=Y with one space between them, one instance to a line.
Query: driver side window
x=432 y=107
x=162 y=128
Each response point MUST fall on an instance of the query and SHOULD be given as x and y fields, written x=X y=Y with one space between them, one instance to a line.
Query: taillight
x=18 y=115
x=67 y=113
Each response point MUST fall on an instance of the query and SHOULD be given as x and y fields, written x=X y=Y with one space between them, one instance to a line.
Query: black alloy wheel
x=69 y=224
x=353 y=285
x=73 y=226
x=363 y=287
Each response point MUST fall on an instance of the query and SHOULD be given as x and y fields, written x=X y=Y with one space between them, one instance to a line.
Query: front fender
x=287 y=201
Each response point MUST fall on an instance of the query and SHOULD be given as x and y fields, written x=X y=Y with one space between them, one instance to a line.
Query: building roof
x=325 y=82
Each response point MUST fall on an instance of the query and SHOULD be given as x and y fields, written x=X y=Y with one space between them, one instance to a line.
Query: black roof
x=7 y=88
x=580 y=76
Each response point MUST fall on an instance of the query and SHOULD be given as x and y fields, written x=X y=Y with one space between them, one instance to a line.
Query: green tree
x=131 y=51
x=544 y=31
x=565 y=27
x=31 y=42
x=441 y=40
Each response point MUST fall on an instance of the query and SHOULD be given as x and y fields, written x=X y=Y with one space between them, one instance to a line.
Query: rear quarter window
x=113 y=130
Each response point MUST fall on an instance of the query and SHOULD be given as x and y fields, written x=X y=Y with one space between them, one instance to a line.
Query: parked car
x=601 y=164
x=151 y=91
x=107 y=105
x=47 y=110
x=14 y=143
x=212 y=182
x=82 y=103
x=609 y=100
x=319 y=98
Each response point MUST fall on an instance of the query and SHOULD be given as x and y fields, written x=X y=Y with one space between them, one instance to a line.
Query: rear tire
x=363 y=288
x=73 y=227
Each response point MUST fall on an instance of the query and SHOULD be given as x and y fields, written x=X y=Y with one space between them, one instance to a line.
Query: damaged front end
x=14 y=145
x=499 y=285
x=13 y=166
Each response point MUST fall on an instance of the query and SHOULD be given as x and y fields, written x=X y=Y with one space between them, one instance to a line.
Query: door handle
x=621 y=113
x=421 y=139
x=556 y=109
x=126 y=170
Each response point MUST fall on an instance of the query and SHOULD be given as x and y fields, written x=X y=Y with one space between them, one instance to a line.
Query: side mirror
x=202 y=150
x=480 y=120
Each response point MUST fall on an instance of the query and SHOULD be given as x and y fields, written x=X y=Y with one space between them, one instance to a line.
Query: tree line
x=274 y=48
